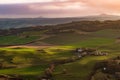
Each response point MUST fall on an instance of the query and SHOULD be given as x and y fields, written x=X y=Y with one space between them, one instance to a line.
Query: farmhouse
x=99 y=53
x=89 y=51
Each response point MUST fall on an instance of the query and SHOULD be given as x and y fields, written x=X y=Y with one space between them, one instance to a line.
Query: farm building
x=88 y=51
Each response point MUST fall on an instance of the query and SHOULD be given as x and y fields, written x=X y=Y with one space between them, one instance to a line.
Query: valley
x=28 y=52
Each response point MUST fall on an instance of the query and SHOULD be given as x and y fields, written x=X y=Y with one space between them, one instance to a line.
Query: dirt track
x=27 y=46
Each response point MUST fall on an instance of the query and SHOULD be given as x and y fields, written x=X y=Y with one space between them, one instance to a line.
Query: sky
x=57 y=8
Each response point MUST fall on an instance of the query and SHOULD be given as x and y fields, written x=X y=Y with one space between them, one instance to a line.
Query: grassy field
x=76 y=38
x=76 y=70
x=31 y=62
x=11 y=40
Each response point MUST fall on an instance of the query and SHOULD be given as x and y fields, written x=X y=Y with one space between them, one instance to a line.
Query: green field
x=76 y=38
x=31 y=62
x=11 y=40
x=76 y=70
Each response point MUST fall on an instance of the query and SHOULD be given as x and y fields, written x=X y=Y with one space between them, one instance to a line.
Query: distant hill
x=102 y=17
x=82 y=26
x=6 y=23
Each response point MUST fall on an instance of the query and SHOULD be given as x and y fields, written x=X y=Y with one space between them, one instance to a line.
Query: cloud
x=23 y=1
x=57 y=6
x=49 y=9
x=62 y=8
x=109 y=5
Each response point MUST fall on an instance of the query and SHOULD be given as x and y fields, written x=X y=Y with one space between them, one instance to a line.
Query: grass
x=39 y=60
x=81 y=69
x=8 y=40
x=34 y=70
x=18 y=49
x=109 y=33
x=77 y=70
x=34 y=33
x=29 y=73
x=101 y=76
x=103 y=40
x=80 y=39
x=65 y=38
x=94 y=42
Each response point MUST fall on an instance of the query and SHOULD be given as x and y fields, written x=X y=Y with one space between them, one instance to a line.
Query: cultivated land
x=30 y=52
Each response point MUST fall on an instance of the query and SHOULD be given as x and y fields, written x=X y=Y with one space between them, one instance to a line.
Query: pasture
x=31 y=62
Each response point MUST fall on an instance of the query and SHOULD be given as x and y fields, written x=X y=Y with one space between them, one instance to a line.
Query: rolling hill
x=28 y=54
x=6 y=23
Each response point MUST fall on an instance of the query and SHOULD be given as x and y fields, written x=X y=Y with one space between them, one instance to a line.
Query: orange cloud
x=113 y=5
x=63 y=8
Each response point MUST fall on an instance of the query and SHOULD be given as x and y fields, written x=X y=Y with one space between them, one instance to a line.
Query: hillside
x=69 y=33
x=87 y=26
x=26 y=53
x=6 y=23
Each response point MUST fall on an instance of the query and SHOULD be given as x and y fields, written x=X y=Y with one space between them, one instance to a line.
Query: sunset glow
x=22 y=1
x=57 y=8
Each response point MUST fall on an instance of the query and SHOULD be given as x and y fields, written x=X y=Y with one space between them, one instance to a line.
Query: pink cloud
x=62 y=8
x=113 y=5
